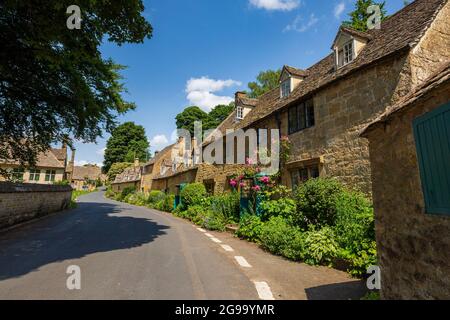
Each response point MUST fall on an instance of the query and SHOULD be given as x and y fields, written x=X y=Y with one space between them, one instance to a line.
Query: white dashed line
x=201 y=230
x=264 y=291
x=242 y=262
x=209 y=235
x=216 y=240
x=227 y=248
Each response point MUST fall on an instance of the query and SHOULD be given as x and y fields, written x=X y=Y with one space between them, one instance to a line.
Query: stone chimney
x=136 y=163
x=238 y=96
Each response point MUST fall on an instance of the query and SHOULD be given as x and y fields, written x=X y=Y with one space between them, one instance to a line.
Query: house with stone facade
x=129 y=178
x=409 y=148
x=322 y=109
x=87 y=177
x=51 y=167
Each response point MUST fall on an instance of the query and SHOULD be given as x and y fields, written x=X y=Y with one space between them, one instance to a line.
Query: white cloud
x=300 y=25
x=159 y=141
x=339 y=9
x=283 y=5
x=80 y=163
x=200 y=92
x=101 y=151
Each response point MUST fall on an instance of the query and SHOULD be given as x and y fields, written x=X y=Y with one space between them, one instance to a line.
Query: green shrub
x=138 y=199
x=354 y=221
x=362 y=259
x=278 y=236
x=211 y=220
x=316 y=202
x=284 y=207
x=110 y=193
x=194 y=213
x=250 y=228
x=166 y=204
x=320 y=246
x=193 y=194
x=155 y=196
x=226 y=206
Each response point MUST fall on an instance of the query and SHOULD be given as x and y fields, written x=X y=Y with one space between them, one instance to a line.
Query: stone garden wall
x=23 y=202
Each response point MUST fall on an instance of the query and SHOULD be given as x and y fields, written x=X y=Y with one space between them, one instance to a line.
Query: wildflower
x=256 y=188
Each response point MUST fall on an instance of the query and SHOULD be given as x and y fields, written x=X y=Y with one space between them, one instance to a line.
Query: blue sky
x=202 y=51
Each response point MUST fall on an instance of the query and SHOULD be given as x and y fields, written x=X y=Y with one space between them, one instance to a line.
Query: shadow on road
x=353 y=290
x=91 y=228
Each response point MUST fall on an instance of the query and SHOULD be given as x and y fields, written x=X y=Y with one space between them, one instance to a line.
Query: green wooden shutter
x=432 y=136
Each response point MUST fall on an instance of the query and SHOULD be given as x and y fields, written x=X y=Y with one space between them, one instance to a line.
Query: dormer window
x=346 y=54
x=286 y=88
x=239 y=113
x=348 y=45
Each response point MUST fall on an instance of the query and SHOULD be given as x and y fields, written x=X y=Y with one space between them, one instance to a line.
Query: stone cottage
x=86 y=177
x=51 y=166
x=323 y=108
x=129 y=178
x=410 y=159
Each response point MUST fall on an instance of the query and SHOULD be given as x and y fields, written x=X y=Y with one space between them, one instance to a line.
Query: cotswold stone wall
x=413 y=246
x=433 y=50
x=23 y=202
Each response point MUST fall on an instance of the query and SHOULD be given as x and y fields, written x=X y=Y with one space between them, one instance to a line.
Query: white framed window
x=345 y=54
x=35 y=175
x=50 y=175
x=239 y=113
x=285 y=88
x=348 y=52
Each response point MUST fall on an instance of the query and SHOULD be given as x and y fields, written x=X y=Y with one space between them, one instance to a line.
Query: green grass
x=75 y=195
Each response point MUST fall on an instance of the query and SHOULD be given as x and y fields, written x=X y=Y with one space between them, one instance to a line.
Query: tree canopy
x=54 y=83
x=127 y=142
x=265 y=81
x=360 y=16
x=117 y=168
x=218 y=114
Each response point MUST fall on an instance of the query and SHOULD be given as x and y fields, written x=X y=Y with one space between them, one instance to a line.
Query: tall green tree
x=359 y=16
x=185 y=119
x=218 y=114
x=127 y=142
x=265 y=81
x=54 y=83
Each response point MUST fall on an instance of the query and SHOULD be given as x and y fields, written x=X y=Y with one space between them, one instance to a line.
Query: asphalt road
x=123 y=251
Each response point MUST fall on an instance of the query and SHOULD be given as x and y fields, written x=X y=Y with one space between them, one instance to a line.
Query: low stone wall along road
x=129 y=252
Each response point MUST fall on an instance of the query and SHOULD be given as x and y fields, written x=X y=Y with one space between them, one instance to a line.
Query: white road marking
x=242 y=262
x=201 y=230
x=216 y=240
x=227 y=248
x=264 y=291
x=209 y=235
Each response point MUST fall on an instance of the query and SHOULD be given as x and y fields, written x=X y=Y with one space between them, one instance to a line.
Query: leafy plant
x=166 y=204
x=277 y=236
x=250 y=228
x=193 y=194
x=320 y=246
x=155 y=196
x=316 y=202
x=227 y=206
x=284 y=207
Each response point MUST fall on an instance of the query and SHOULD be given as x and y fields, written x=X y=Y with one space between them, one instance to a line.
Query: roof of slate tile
x=45 y=159
x=399 y=32
x=442 y=76
x=60 y=154
x=130 y=174
x=296 y=72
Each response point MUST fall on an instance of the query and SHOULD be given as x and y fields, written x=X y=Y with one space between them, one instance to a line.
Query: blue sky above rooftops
x=202 y=51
